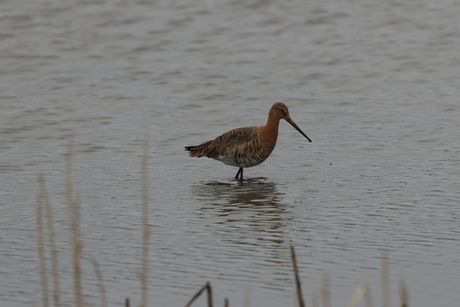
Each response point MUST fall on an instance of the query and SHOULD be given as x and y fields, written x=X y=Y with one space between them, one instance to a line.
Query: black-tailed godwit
x=248 y=146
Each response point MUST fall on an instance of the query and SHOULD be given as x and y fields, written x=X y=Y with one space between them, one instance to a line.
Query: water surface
x=374 y=84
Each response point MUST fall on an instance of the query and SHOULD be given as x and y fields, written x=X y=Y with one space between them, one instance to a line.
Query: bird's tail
x=199 y=150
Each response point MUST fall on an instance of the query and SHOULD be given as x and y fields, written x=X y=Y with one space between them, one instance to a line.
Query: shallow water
x=373 y=84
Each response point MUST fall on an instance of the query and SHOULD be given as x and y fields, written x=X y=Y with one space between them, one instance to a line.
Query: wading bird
x=248 y=146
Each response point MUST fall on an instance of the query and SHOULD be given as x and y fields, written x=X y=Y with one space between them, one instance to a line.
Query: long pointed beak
x=289 y=120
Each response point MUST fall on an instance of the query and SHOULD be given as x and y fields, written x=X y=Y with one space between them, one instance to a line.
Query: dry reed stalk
x=73 y=209
x=190 y=302
x=207 y=287
x=41 y=249
x=127 y=302
x=51 y=239
x=226 y=302
x=368 y=301
x=404 y=296
x=209 y=295
x=100 y=282
x=386 y=300
x=325 y=286
x=297 y=279
x=145 y=224
x=315 y=302
x=358 y=295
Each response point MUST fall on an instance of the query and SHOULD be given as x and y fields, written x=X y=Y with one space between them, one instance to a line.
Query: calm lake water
x=374 y=84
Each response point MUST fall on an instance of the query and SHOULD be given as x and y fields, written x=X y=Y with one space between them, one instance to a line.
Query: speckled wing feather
x=237 y=147
x=227 y=142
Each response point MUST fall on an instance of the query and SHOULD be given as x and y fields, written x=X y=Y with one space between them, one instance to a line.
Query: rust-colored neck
x=270 y=130
x=273 y=119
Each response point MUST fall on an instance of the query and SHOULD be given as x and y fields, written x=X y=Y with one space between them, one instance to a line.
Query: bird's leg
x=240 y=171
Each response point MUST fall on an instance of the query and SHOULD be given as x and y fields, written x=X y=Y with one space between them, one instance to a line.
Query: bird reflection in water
x=254 y=208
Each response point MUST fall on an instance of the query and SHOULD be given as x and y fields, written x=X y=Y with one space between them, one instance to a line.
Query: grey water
x=374 y=84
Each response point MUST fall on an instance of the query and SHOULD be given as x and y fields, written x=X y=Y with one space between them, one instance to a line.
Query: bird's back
x=241 y=147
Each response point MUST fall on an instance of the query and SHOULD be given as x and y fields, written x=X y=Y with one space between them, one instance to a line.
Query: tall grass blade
x=386 y=295
x=297 y=279
x=100 y=282
x=145 y=224
x=403 y=293
x=41 y=249
x=51 y=239
x=73 y=212
x=325 y=292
